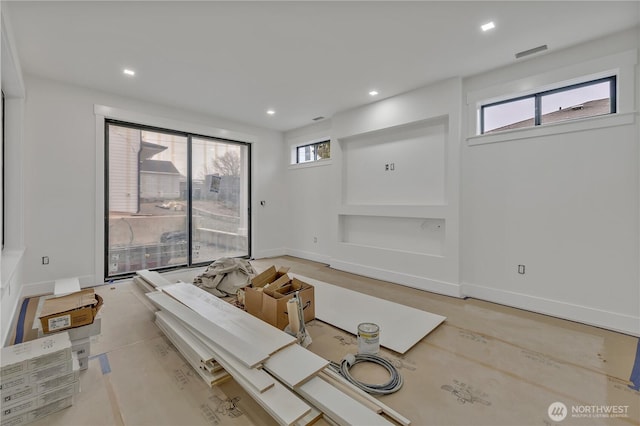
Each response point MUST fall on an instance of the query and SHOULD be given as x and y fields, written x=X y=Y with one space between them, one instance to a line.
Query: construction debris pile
x=294 y=385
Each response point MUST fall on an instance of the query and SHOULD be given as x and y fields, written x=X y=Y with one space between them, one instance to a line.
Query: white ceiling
x=303 y=59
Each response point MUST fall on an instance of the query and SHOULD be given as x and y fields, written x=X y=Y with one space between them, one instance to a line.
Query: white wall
x=564 y=204
x=61 y=170
x=311 y=189
x=399 y=225
x=11 y=260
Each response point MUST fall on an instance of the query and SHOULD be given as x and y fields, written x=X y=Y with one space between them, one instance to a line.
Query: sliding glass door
x=173 y=199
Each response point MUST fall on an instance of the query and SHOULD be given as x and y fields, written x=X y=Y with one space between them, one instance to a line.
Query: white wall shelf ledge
x=578 y=125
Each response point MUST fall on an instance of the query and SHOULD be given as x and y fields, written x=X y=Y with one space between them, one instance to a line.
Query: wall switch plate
x=45 y=260
x=521 y=269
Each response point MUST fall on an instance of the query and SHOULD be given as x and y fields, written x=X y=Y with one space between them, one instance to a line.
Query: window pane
x=324 y=150
x=147 y=200
x=306 y=153
x=220 y=214
x=509 y=115
x=585 y=101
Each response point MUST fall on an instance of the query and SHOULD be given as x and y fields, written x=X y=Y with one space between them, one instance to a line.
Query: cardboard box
x=70 y=311
x=79 y=333
x=40 y=400
x=270 y=304
x=20 y=388
x=35 y=355
x=33 y=415
x=81 y=347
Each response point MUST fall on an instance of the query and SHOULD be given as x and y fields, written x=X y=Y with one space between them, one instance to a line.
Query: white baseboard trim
x=265 y=254
x=309 y=255
x=44 y=287
x=421 y=283
x=605 y=319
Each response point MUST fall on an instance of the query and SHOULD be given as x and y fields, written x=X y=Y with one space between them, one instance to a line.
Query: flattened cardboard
x=74 y=310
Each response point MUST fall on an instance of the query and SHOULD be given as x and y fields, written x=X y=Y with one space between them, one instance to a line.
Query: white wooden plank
x=339 y=406
x=244 y=352
x=203 y=352
x=401 y=326
x=236 y=321
x=208 y=377
x=385 y=408
x=153 y=278
x=257 y=378
x=294 y=364
x=283 y=405
x=66 y=286
x=144 y=286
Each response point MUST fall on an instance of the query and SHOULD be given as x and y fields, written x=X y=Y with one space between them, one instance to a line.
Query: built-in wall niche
x=415 y=235
x=400 y=165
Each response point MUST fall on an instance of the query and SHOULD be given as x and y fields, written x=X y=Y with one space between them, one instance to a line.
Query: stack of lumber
x=294 y=385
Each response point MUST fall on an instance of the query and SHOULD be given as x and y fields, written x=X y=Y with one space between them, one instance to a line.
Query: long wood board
x=211 y=379
x=294 y=365
x=256 y=377
x=236 y=321
x=401 y=326
x=340 y=407
x=243 y=351
x=153 y=278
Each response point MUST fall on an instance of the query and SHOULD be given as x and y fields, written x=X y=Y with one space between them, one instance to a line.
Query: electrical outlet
x=45 y=260
x=521 y=269
x=315 y=239
x=386 y=167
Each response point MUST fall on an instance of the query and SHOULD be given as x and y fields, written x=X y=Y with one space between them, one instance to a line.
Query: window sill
x=10 y=260
x=589 y=123
x=318 y=163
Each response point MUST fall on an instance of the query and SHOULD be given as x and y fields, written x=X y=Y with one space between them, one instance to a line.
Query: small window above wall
x=313 y=152
x=582 y=100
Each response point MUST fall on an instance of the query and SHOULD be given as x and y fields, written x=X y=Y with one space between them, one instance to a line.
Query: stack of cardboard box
x=267 y=296
x=76 y=314
x=37 y=378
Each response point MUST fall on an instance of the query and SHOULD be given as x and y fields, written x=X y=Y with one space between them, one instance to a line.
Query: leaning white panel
x=243 y=351
x=401 y=326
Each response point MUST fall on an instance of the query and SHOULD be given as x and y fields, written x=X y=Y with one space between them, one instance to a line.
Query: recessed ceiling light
x=373 y=92
x=270 y=112
x=488 y=26
x=129 y=72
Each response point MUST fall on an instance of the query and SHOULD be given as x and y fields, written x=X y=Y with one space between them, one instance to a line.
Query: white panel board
x=340 y=407
x=154 y=278
x=245 y=352
x=401 y=326
x=236 y=321
x=66 y=286
x=282 y=404
x=294 y=364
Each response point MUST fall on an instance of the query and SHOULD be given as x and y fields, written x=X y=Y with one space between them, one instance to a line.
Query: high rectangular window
x=173 y=199
x=313 y=152
x=588 y=99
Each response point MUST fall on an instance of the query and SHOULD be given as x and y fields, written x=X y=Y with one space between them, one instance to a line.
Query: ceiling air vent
x=531 y=51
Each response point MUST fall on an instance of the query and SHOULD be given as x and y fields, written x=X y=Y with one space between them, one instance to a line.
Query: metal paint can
x=368 y=338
